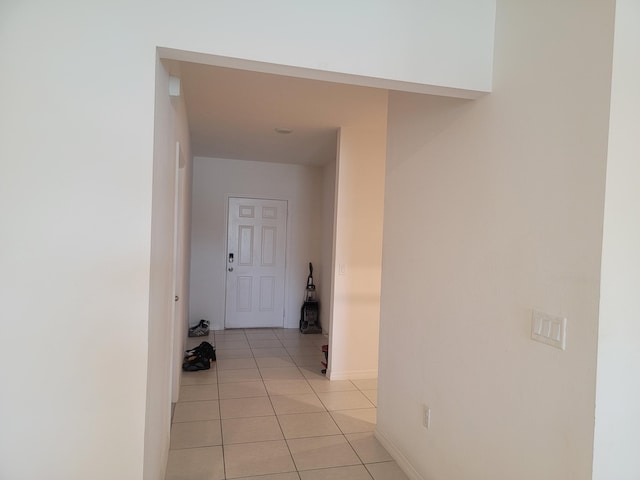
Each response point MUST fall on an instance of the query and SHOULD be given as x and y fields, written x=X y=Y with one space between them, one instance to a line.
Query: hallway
x=264 y=411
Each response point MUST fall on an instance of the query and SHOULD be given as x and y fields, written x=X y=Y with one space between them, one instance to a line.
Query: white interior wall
x=493 y=208
x=214 y=181
x=358 y=249
x=77 y=150
x=327 y=219
x=164 y=336
x=389 y=44
x=160 y=331
x=617 y=432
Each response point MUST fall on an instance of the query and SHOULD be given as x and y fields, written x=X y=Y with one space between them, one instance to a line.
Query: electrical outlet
x=426 y=416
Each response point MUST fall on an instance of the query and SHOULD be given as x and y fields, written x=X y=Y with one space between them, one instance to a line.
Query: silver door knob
x=176 y=298
x=231 y=269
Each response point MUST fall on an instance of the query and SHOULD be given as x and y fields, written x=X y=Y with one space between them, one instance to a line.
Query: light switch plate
x=174 y=86
x=549 y=329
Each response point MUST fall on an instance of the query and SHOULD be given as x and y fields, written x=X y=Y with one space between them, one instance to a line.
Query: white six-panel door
x=256 y=246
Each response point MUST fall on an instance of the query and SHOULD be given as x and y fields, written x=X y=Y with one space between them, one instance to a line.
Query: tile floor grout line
x=224 y=463
x=274 y=410
x=282 y=432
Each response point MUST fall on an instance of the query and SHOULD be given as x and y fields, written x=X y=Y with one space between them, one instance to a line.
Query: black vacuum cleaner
x=310 y=312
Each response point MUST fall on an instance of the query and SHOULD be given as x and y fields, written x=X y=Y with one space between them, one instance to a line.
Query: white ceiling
x=233 y=114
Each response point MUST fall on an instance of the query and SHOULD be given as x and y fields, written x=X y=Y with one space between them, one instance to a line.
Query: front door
x=256 y=245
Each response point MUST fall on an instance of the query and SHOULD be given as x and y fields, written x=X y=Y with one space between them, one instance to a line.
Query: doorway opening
x=328 y=167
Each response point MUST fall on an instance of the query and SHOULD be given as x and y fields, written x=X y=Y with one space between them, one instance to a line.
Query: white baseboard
x=400 y=459
x=352 y=374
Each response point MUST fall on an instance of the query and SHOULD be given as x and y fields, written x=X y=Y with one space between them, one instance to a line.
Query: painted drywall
x=167 y=323
x=495 y=207
x=77 y=147
x=214 y=181
x=327 y=261
x=617 y=432
x=77 y=151
x=158 y=407
x=358 y=250
x=401 y=45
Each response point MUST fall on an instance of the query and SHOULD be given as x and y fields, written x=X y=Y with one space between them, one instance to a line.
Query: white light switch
x=549 y=329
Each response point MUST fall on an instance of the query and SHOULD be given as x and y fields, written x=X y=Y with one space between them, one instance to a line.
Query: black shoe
x=195 y=363
x=205 y=349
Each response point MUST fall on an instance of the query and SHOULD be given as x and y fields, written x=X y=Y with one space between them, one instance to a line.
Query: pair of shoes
x=195 y=363
x=199 y=358
x=200 y=330
x=205 y=349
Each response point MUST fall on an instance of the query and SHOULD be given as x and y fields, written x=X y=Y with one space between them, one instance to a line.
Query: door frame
x=286 y=250
x=178 y=316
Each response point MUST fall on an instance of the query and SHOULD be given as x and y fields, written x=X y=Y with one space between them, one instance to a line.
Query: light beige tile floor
x=264 y=411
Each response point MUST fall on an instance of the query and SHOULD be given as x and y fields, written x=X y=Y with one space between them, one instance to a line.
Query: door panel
x=245 y=246
x=267 y=292
x=256 y=263
x=269 y=236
